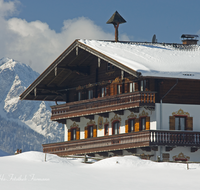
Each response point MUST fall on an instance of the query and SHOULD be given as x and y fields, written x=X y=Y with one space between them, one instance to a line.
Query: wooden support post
x=35 y=92
x=99 y=62
x=55 y=71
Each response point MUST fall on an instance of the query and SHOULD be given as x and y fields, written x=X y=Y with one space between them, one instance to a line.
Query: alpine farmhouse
x=120 y=98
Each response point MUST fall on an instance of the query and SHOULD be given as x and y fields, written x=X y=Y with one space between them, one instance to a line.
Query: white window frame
x=132 y=86
x=90 y=94
x=118 y=89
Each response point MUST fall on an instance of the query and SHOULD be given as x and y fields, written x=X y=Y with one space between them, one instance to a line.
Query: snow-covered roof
x=155 y=60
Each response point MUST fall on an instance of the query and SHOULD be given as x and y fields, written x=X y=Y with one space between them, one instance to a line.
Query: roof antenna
x=116 y=19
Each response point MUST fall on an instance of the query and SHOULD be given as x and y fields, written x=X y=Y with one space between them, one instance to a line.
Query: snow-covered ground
x=30 y=171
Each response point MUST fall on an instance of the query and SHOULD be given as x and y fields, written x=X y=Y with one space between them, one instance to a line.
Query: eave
x=55 y=65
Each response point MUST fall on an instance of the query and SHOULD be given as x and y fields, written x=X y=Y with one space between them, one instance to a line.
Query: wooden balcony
x=127 y=141
x=102 y=105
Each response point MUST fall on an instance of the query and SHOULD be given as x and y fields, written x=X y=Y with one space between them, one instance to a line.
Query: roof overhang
x=56 y=64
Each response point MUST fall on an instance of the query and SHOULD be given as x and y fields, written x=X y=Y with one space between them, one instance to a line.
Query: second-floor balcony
x=103 y=105
x=146 y=138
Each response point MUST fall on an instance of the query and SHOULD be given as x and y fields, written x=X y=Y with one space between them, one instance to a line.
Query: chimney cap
x=116 y=18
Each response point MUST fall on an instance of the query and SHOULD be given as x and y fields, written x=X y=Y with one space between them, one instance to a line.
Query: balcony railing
x=175 y=138
x=104 y=104
x=150 y=138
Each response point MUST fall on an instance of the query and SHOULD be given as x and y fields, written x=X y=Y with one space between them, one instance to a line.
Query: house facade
x=120 y=98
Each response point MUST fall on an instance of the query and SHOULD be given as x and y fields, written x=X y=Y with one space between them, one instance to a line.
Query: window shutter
x=86 y=133
x=115 y=89
x=126 y=88
x=171 y=122
x=137 y=126
x=147 y=123
x=147 y=85
x=107 y=91
x=69 y=134
x=95 y=131
x=126 y=126
x=121 y=89
x=189 y=123
x=136 y=86
x=77 y=133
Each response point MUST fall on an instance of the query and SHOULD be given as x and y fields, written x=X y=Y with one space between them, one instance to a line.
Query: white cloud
x=35 y=44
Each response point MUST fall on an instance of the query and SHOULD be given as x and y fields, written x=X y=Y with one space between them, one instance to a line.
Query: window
x=180 y=123
x=106 y=132
x=142 y=85
x=132 y=87
x=79 y=96
x=142 y=123
x=118 y=89
x=131 y=124
x=103 y=92
x=90 y=94
x=108 y=66
x=113 y=67
x=73 y=134
x=115 y=128
x=90 y=131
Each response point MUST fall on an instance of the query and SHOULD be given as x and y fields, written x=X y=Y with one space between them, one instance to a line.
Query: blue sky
x=37 y=31
x=168 y=19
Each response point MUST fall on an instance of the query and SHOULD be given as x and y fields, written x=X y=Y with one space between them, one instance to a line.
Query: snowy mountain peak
x=29 y=116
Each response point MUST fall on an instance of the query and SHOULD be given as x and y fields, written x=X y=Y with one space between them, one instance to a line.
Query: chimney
x=116 y=19
x=189 y=39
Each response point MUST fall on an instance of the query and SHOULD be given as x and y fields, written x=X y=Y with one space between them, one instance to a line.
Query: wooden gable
x=76 y=66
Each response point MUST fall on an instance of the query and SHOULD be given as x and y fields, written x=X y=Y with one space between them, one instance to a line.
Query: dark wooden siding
x=185 y=92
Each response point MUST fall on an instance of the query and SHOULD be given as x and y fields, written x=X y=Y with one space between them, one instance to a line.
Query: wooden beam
x=76 y=119
x=148 y=149
x=56 y=71
x=35 y=91
x=77 y=55
x=106 y=115
x=135 y=110
x=99 y=62
x=91 y=117
x=55 y=77
x=119 y=112
x=67 y=75
x=154 y=148
x=109 y=60
x=168 y=148
x=84 y=59
x=132 y=150
x=118 y=152
x=85 y=71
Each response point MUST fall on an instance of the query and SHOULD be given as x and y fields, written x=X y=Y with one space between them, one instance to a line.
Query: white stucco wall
x=168 y=109
x=100 y=132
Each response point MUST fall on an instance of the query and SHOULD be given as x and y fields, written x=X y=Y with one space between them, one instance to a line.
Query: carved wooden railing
x=125 y=141
x=99 y=144
x=109 y=103
x=176 y=138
